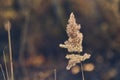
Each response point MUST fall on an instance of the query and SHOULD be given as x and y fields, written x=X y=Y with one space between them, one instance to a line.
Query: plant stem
x=3 y=72
x=10 y=51
x=55 y=76
x=83 y=78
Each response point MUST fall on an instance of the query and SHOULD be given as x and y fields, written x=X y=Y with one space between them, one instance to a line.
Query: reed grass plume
x=74 y=43
x=75 y=58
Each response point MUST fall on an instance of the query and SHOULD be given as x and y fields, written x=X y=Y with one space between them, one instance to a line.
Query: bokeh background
x=38 y=27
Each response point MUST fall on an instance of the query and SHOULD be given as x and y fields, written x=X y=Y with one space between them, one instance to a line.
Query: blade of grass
x=3 y=72
x=5 y=62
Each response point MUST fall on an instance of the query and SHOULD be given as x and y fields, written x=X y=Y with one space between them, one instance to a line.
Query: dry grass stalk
x=74 y=44
x=7 y=28
x=55 y=75
x=83 y=78
x=3 y=72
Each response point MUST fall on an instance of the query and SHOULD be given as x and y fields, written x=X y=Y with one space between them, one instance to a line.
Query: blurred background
x=38 y=27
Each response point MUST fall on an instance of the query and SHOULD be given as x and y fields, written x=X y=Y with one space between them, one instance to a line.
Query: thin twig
x=83 y=77
x=3 y=72
x=5 y=62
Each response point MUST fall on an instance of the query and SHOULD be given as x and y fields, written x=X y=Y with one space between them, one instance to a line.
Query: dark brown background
x=38 y=27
